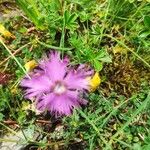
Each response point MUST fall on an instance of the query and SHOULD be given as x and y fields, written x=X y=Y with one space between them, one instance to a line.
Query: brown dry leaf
x=4 y=78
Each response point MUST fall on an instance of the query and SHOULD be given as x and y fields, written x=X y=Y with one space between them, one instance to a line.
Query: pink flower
x=56 y=86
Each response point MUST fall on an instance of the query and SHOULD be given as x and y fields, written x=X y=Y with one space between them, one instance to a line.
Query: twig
x=16 y=51
x=43 y=121
x=12 y=122
x=9 y=122
x=11 y=54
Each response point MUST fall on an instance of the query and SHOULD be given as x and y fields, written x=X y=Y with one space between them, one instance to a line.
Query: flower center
x=59 y=88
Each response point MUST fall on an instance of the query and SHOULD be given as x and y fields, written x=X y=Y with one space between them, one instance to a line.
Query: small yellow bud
x=14 y=90
x=30 y=65
x=5 y=32
x=118 y=49
x=94 y=81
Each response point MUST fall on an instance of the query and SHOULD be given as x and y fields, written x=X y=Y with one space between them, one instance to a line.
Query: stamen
x=59 y=88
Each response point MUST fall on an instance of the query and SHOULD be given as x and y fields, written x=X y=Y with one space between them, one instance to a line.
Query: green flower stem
x=53 y=47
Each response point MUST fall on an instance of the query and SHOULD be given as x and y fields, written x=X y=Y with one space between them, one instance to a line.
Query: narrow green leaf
x=98 y=65
x=147 y=21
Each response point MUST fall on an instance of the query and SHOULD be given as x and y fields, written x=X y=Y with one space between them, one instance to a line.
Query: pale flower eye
x=59 y=88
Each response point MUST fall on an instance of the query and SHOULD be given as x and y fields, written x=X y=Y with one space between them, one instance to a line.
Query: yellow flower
x=118 y=49
x=94 y=81
x=5 y=32
x=30 y=65
x=14 y=90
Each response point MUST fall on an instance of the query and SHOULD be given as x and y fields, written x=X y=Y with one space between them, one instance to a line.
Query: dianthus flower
x=55 y=86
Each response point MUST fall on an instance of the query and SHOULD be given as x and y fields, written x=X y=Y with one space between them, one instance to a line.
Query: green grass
x=118 y=113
